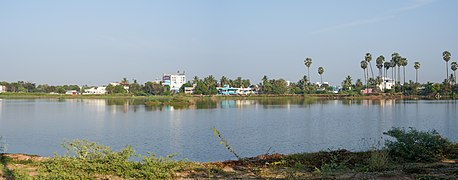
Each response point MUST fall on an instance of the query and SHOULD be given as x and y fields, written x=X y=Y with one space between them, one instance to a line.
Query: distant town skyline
x=97 y=42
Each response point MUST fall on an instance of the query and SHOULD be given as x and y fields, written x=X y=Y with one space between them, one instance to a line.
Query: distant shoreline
x=234 y=97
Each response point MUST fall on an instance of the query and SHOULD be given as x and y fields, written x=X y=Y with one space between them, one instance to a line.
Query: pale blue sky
x=96 y=42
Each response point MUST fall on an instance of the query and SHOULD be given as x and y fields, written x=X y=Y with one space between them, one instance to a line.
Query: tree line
x=208 y=85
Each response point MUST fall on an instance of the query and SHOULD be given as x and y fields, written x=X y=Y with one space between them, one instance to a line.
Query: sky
x=88 y=42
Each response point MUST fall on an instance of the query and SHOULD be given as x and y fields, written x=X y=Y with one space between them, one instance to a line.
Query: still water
x=252 y=127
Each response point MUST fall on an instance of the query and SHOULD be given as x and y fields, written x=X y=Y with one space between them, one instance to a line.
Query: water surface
x=39 y=126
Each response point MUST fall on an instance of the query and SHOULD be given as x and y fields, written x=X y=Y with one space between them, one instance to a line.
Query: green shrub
x=417 y=146
x=89 y=160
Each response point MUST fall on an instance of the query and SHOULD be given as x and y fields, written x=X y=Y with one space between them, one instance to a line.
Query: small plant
x=417 y=146
x=225 y=143
x=333 y=167
x=379 y=160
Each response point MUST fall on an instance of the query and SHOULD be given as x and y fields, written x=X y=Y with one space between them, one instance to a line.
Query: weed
x=335 y=166
x=379 y=160
x=225 y=143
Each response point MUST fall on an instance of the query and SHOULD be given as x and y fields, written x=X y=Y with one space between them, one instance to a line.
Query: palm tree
x=195 y=80
x=393 y=72
x=124 y=81
x=416 y=66
x=394 y=63
x=347 y=83
x=403 y=63
x=368 y=58
x=454 y=66
x=308 y=63
x=363 y=64
x=224 y=81
x=379 y=63
x=446 y=56
x=321 y=71
x=387 y=66
x=238 y=82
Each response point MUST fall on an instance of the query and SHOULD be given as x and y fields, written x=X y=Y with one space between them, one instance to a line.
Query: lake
x=252 y=127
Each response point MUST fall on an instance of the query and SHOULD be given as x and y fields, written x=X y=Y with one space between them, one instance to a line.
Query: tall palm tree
x=416 y=66
x=454 y=66
x=403 y=63
x=368 y=58
x=308 y=63
x=446 y=56
x=379 y=61
x=393 y=67
x=387 y=66
x=394 y=63
x=363 y=64
x=321 y=71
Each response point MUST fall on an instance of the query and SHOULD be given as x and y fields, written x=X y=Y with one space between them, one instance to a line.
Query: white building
x=71 y=92
x=125 y=85
x=2 y=89
x=175 y=81
x=189 y=90
x=387 y=83
x=98 y=90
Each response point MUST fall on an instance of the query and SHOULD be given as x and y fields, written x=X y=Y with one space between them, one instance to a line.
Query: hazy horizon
x=97 y=42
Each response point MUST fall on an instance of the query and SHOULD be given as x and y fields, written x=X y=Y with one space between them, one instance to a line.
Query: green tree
x=403 y=63
x=246 y=83
x=416 y=66
x=60 y=90
x=368 y=58
x=238 y=82
x=363 y=65
x=308 y=63
x=303 y=83
x=188 y=84
x=224 y=81
x=379 y=61
x=266 y=86
x=394 y=63
x=446 y=56
x=347 y=83
x=118 y=89
x=147 y=88
x=387 y=66
x=358 y=84
x=135 y=88
x=454 y=66
x=321 y=71
x=279 y=86
x=195 y=80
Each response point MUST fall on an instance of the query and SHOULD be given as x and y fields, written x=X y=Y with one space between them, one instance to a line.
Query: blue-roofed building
x=226 y=90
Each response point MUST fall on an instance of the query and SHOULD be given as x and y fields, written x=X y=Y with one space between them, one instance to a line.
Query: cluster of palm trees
x=452 y=78
x=396 y=61
x=308 y=63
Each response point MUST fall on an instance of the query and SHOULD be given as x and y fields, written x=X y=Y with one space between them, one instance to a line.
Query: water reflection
x=287 y=125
